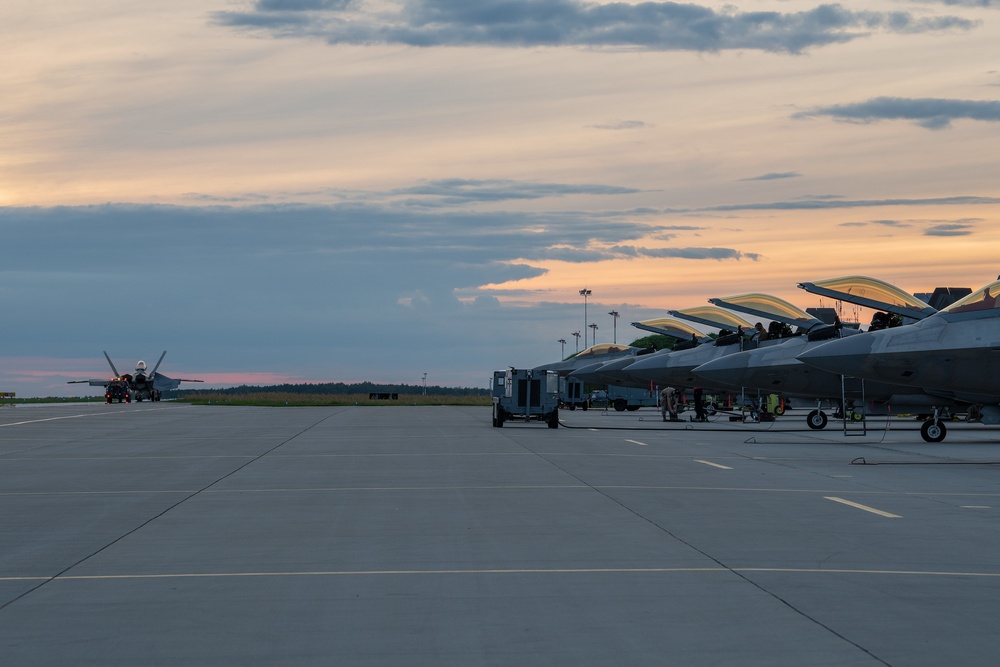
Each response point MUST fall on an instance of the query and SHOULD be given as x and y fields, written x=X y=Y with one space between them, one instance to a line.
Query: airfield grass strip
x=280 y=399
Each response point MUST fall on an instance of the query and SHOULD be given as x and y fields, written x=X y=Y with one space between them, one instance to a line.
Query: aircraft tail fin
x=111 y=363
x=153 y=374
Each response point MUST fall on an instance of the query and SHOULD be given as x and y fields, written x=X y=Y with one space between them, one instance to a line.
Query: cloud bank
x=323 y=287
x=651 y=26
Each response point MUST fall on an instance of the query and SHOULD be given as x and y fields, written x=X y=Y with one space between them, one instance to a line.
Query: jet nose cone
x=846 y=356
x=727 y=371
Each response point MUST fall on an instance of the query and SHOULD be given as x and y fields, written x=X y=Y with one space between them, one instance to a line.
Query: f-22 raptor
x=140 y=385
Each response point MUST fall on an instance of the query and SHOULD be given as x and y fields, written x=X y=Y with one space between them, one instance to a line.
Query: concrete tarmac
x=166 y=534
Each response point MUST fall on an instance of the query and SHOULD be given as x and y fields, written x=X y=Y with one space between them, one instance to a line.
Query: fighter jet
x=777 y=370
x=613 y=372
x=674 y=368
x=592 y=355
x=139 y=385
x=953 y=355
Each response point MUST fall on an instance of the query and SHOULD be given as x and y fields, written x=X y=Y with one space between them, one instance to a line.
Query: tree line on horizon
x=334 y=388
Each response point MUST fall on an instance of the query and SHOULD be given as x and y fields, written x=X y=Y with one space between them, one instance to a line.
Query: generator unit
x=525 y=395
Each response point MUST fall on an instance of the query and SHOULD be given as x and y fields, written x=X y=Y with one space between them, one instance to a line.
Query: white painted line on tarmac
x=976 y=507
x=89 y=414
x=52 y=419
x=859 y=506
x=636 y=442
x=714 y=465
x=450 y=572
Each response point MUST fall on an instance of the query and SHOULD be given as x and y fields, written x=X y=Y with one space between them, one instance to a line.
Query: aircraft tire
x=933 y=431
x=816 y=420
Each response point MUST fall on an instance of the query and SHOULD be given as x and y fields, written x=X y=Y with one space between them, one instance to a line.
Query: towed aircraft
x=777 y=370
x=952 y=355
x=139 y=385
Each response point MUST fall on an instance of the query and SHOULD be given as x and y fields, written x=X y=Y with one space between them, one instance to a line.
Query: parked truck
x=525 y=395
x=631 y=398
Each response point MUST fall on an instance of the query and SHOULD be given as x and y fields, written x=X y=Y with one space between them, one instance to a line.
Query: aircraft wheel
x=816 y=420
x=933 y=431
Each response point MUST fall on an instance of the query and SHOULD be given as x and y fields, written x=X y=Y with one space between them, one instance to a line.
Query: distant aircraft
x=953 y=355
x=140 y=385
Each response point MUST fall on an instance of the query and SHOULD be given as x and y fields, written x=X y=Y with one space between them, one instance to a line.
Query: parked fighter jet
x=776 y=369
x=953 y=355
x=674 y=368
x=613 y=372
x=139 y=385
x=593 y=354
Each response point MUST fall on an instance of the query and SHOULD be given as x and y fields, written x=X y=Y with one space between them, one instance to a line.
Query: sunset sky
x=347 y=190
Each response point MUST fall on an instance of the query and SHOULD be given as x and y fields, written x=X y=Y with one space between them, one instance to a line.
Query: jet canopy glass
x=670 y=327
x=711 y=316
x=983 y=302
x=769 y=307
x=606 y=348
x=870 y=293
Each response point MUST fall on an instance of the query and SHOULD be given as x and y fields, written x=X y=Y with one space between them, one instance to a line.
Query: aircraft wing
x=92 y=382
x=163 y=383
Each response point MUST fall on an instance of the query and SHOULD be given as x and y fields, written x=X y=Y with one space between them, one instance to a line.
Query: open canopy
x=870 y=293
x=669 y=326
x=769 y=307
x=711 y=316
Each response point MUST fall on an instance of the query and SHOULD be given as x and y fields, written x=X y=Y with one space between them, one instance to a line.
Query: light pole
x=585 y=293
x=593 y=336
x=425 y=384
x=614 y=319
x=577 y=334
x=562 y=341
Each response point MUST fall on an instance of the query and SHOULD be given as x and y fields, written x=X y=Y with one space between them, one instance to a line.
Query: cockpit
x=982 y=303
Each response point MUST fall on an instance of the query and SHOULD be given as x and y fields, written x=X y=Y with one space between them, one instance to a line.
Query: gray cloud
x=883 y=223
x=655 y=26
x=773 y=176
x=816 y=204
x=455 y=191
x=621 y=125
x=931 y=113
x=698 y=253
x=986 y=4
x=949 y=229
x=960 y=227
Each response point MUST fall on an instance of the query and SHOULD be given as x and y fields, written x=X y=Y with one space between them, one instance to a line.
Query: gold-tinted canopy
x=870 y=293
x=767 y=306
x=711 y=316
x=670 y=326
